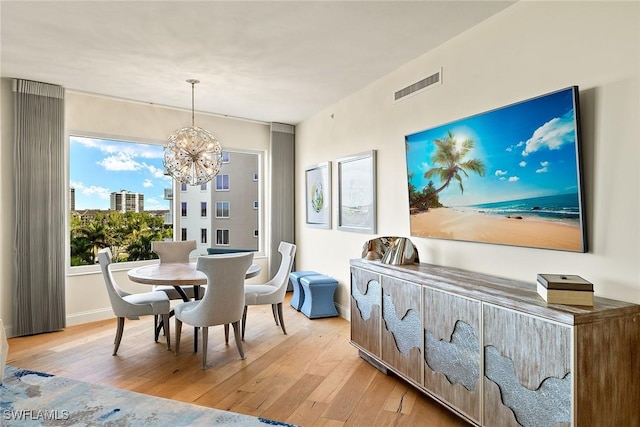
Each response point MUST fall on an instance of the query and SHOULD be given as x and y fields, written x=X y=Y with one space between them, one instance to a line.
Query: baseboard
x=89 y=316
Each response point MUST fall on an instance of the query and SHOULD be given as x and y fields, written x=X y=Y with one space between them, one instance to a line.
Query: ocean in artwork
x=559 y=207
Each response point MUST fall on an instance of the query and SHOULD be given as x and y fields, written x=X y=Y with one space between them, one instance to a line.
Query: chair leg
x=167 y=327
x=275 y=315
x=118 y=335
x=236 y=334
x=205 y=339
x=178 y=325
x=226 y=333
x=244 y=321
x=281 y=317
x=155 y=327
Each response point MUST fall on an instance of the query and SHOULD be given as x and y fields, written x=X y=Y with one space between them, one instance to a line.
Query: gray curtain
x=38 y=292
x=282 y=190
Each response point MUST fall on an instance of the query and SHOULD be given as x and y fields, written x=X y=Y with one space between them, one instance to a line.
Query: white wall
x=529 y=49
x=86 y=298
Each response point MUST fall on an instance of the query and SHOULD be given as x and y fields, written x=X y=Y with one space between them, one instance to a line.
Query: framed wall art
x=508 y=176
x=357 y=193
x=318 y=195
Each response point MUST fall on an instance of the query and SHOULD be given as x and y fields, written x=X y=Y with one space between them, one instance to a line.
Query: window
x=183 y=234
x=183 y=188
x=203 y=235
x=203 y=209
x=222 y=182
x=183 y=208
x=203 y=187
x=222 y=237
x=225 y=157
x=255 y=204
x=255 y=176
x=118 y=197
x=255 y=233
x=222 y=209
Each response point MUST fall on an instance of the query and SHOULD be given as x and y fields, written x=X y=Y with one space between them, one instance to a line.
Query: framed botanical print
x=318 y=195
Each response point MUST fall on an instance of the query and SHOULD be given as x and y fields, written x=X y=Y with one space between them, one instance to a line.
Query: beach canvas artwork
x=508 y=176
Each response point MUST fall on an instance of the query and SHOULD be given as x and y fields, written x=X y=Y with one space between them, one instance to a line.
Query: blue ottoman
x=318 y=296
x=298 y=296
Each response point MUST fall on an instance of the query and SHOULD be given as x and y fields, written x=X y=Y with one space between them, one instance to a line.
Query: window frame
x=175 y=190
x=228 y=235
x=228 y=204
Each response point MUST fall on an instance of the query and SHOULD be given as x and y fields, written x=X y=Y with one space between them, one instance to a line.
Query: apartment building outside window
x=224 y=227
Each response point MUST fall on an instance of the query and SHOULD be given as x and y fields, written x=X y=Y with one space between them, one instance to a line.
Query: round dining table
x=178 y=274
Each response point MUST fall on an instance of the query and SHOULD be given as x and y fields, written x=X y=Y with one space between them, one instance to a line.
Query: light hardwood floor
x=311 y=377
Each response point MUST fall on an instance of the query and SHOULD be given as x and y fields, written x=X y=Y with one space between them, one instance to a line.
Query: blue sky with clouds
x=528 y=149
x=99 y=167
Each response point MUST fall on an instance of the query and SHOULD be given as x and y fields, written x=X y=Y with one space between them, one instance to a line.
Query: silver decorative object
x=401 y=252
x=381 y=248
x=192 y=156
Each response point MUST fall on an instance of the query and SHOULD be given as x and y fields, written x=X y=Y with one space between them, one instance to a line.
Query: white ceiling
x=269 y=61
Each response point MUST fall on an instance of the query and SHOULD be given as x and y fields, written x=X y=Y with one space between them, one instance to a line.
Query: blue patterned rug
x=29 y=398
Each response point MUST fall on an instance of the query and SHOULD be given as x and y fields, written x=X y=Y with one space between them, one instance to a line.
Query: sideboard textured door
x=402 y=331
x=527 y=370
x=452 y=350
x=366 y=303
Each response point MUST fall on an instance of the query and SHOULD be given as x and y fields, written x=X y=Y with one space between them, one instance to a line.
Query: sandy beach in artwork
x=531 y=231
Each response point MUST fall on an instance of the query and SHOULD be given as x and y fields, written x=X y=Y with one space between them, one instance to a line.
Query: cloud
x=514 y=179
x=147 y=183
x=93 y=190
x=552 y=135
x=512 y=147
x=143 y=150
x=522 y=164
x=544 y=167
x=156 y=172
x=120 y=162
x=500 y=172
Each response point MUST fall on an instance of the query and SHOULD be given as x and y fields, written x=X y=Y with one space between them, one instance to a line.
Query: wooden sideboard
x=493 y=351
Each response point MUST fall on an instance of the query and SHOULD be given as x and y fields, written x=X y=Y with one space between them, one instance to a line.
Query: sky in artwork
x=528 y=150
x=98 y=167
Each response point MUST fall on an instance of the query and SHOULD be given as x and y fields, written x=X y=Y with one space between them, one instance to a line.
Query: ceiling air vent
x=414 y=89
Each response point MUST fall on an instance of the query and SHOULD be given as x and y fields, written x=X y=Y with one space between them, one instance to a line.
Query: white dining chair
x=131 y=306
x=169 y=251
x=223 y=302
x=273 y=291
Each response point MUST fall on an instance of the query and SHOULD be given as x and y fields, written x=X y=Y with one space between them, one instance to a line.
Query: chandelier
x=192 y=156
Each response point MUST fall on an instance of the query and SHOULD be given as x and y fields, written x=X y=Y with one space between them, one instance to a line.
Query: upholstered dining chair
x=274 y=290
x=223 y=302
x=169 y=251
x=131 y=306
x=174 y=252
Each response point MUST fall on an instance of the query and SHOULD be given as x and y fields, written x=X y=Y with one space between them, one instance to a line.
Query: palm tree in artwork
x=450 y=164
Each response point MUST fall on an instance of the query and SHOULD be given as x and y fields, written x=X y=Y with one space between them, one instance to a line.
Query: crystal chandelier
x=192 y=156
